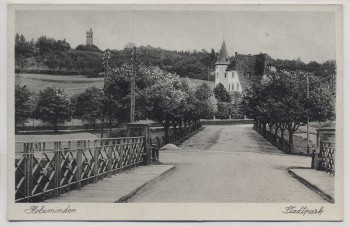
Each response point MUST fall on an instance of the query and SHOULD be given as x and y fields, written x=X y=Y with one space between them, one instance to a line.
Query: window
x=225 y=74
x=237 y=87
x=233 y=86
x=233 y=75
x=217 y=75
x=229 y=87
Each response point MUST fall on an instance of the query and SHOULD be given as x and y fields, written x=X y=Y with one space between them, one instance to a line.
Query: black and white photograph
x=197 y=109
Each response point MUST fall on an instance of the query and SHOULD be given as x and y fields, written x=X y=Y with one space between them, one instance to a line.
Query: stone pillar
x=326 y=134
x=142 y=129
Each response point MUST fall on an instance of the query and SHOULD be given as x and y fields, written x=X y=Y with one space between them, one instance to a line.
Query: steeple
x=223 y=58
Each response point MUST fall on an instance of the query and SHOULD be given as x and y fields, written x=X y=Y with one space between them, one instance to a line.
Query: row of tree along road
x=285 y=100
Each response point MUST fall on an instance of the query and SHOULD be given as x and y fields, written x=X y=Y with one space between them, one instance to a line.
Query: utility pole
x=106 y=57
x=307 y=126
x=132 y=109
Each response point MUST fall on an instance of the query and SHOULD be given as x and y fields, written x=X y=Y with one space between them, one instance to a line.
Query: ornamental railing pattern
x=47 y=169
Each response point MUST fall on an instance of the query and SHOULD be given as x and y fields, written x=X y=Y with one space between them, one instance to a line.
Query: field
x=72 y=84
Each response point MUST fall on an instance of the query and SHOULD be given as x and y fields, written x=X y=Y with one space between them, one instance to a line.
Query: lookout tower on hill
x=89 y=38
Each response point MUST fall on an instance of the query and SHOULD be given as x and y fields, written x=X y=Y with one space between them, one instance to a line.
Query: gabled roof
x=232 y=65
x=223 y=58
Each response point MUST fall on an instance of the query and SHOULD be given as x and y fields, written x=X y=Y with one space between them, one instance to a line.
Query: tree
x=91 y=48
x=23 y=104
x=162 y=100
x=227 y=110
x=221 y=94
x=206 y=103
x=188 y=105
x=89 y=104
x=208 y=60
x=117 y=94
x=23 y=51
x=53 y=106
x=45 y=45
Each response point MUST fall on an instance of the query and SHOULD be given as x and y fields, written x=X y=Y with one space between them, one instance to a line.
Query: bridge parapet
x=46 y=169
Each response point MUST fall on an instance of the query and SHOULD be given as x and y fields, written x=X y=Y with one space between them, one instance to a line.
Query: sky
x=308 y=35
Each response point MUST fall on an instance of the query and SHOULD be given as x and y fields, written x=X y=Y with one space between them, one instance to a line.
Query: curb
x=313 y=187
x=133 y=192
x=186 y=137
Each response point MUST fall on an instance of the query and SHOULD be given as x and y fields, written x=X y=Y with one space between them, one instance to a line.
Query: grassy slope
x=71 y=84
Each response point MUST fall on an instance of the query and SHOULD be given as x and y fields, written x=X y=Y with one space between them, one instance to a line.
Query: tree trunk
x=180 y=126
x=276 y=132
x=282 y=137
x=102 y=124
x=55 y=126
x=254 y=125
x=291 y=141
x=208 y=72
x=264 y=129
x=260 y=127
x=174 y=129
x=166 y=131
x=110 y=125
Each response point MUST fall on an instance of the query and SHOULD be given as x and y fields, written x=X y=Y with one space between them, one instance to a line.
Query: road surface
x=228 y=164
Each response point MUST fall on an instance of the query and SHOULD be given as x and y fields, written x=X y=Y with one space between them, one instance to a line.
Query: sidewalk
x=116 y=189
x=319 y=181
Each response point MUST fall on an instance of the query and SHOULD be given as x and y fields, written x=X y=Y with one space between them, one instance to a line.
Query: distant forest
x=47 y=55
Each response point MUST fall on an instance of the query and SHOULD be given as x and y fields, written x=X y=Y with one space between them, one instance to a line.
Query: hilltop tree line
x=57 y=56
x=47 y=55
x=160 y=96
x=325 y=69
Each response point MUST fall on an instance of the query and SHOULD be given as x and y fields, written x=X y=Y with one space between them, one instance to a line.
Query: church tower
x=89 y=39
x=221 y=65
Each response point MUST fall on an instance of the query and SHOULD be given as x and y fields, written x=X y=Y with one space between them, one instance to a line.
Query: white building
x=238 y=72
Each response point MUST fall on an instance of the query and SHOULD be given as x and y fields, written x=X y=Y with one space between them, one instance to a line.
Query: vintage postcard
x=175 y=112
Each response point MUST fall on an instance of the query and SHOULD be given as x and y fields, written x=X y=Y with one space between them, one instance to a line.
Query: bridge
x=47 y=169
x=220 y=163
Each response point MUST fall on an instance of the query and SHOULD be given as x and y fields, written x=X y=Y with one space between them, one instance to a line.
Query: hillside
x=50 y=56
x=72 y=84
x=57 y=57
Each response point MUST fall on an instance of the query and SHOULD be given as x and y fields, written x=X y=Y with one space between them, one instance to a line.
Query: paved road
x=229 y=164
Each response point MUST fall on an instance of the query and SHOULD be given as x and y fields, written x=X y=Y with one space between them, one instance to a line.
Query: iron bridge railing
x=46 y=169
